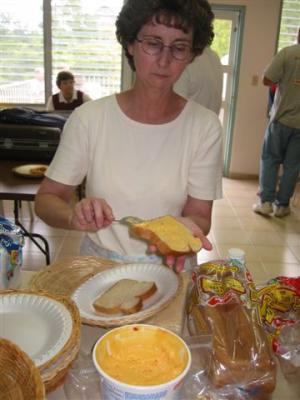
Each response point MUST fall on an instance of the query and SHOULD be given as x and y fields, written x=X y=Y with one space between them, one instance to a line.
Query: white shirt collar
x=63 y=100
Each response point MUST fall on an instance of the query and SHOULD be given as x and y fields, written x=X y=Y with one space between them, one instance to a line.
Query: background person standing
x=202 y=80
x=282 y=137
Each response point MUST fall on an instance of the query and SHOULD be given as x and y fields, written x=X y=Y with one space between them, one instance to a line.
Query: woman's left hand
x=177 y=263
x=196 y=231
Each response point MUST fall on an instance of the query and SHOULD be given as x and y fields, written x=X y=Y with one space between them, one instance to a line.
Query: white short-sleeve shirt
x=142 y=170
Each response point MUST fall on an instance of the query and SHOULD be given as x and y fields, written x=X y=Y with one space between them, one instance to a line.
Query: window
x=21 y=48
x=39 y=38
x=289 y=23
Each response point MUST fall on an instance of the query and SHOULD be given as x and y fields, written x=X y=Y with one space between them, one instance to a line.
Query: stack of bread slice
x=125 y=297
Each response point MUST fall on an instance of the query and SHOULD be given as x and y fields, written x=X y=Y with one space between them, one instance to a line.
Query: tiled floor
x=272 y=245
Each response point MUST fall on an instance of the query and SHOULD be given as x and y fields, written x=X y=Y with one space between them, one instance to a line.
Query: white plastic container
x=114 y=389
x=237 y=256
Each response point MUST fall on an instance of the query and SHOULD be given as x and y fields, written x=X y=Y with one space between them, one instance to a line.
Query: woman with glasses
x=145 y=152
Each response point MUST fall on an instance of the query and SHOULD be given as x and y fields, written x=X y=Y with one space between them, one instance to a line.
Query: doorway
x=228 y=26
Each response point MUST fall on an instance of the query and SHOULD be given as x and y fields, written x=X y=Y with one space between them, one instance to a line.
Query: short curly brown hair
x=181 y=14
x=64 y=76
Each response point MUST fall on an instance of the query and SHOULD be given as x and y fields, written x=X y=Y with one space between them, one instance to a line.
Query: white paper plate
x=166 y=280
x=39 y=325
x=28 y=170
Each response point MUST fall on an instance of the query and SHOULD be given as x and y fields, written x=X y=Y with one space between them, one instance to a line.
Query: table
x=18 y=189
x=172 y=318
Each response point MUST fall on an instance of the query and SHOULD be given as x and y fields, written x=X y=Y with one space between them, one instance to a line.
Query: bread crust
x=106 y=310
x=149 y=293
x=130 y=302
x=134 y=309
x=169 y=235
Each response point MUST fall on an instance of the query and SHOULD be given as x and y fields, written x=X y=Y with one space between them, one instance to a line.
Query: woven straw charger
x=20 y=379
x=66 y=275
x=54 y=369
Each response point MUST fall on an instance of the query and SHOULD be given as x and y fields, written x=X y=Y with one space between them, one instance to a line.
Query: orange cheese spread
x=142 y=356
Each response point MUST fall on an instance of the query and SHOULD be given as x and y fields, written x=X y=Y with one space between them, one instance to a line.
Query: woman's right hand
x=91 y=214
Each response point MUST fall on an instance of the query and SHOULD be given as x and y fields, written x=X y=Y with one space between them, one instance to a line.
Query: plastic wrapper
x=197 y=385
x=83 y=380
x=11 y=245
x=278 y=303
x=240 y=364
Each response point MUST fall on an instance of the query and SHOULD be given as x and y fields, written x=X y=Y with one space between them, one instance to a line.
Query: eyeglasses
x=154 y=47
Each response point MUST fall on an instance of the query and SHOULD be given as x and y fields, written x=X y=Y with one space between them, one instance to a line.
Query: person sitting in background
x=202 y=80
x=68 y=98
x=145 y=152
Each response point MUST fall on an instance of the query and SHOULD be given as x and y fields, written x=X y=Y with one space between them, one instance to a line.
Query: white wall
x=258 y=47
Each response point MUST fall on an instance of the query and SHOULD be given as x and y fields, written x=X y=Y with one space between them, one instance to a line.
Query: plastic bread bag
x=288 y=351
x=279 y=311
x=197 y=385
x=240 y=362
x=216 y=282
x=11 y=256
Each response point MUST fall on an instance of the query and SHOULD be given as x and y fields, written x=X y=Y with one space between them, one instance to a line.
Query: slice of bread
x=143 y=290
x=169 y=235
x=125 y=296
x=131 y=305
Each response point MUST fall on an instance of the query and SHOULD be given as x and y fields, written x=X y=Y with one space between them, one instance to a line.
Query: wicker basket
x=143 y=315
x=55 y=368
x=55 y=376
x=20 y=379
x=66 y=275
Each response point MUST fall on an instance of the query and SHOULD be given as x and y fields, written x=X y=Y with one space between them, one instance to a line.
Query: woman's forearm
x=199 y=211
x=53 y=210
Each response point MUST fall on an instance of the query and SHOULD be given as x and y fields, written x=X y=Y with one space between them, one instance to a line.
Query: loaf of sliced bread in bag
x=169 y=236
x=240 y=356
x=125 y=296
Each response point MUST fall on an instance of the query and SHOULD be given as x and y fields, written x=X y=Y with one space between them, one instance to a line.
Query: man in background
x=68 y=98
x=282 y=137
x=202 y=80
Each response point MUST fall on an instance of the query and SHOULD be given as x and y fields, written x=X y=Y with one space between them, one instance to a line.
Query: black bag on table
x=27 y=116
x=29 y=135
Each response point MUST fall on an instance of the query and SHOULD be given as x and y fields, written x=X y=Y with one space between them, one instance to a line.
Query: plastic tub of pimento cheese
x=141 y=362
